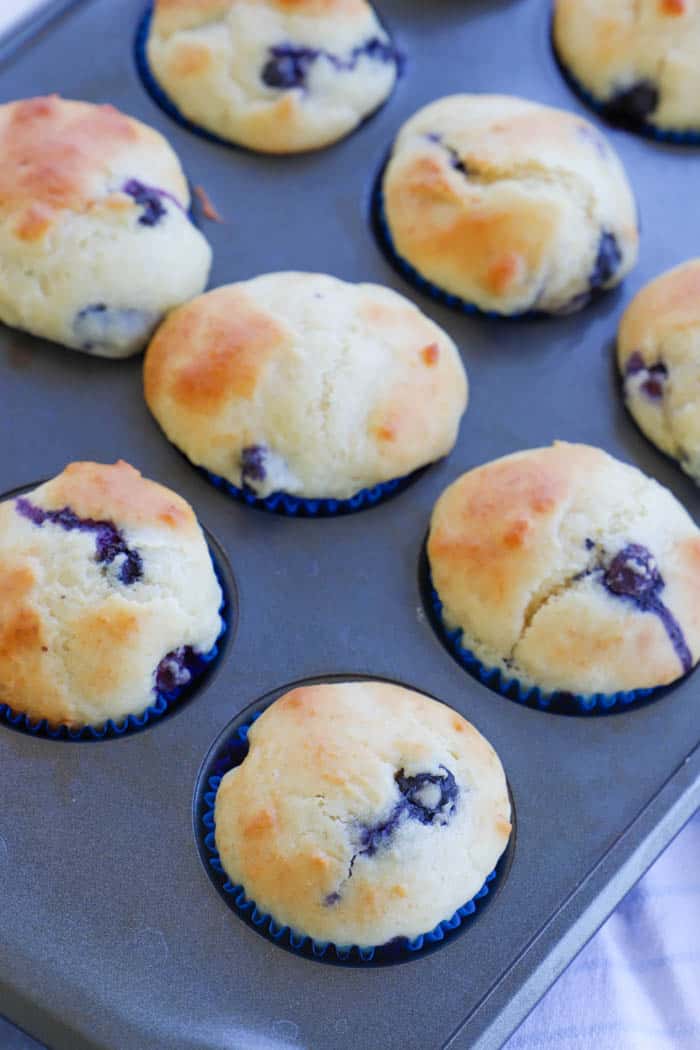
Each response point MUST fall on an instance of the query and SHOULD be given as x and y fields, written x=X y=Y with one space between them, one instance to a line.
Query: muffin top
x=305 y=384
x=641 y=59
x=510 y=205
x=274 y=75
x=94 y=204
x=363 y=811
x=658 y=352
x=569 y=570
x=106 y=591
x=63 y=156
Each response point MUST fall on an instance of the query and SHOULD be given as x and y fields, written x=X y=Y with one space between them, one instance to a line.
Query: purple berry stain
x=101 y=325
x=288 y=65
x=634 y=575
x=456 y=161
x=607 y=261
x=253 y=463
x=633 y=104
x=429 y=798
x=109 y=542
x=635 y=364
x=151 y=199
x=176 y=669
x=655 y=376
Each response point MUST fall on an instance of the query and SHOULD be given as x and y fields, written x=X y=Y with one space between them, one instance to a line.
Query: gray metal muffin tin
x=111 y=935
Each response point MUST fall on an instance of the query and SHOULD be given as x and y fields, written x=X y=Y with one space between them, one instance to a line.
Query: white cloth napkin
x=636 y=985
x=12 y=10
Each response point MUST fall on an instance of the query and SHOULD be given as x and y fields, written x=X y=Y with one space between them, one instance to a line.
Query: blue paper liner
x=163 y=703
x=162 y=99
x=511 y=687
x=636 y=127
x=401 y=949
x=295 y=506
x=157 y=93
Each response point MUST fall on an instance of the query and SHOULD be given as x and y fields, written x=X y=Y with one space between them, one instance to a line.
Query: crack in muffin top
x=526 y=554
x=510 y=205
x=363 y=811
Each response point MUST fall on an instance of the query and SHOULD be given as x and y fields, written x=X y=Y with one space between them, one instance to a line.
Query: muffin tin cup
x=297 y=507
x=164 y=702
x=636 y=127
x=163 y=100
x=229 y=751
x=531 y=696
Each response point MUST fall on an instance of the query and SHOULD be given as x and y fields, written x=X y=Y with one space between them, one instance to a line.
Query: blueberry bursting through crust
x=150 y=199
x=654 y=375
x=633 y=105
x=607 y=261
x=176 y=669
x=109 y=542
x=253 y=463
x=101 y=325
x=288 y=65
x=608 y=258
x=428 y=798
x=633 y=575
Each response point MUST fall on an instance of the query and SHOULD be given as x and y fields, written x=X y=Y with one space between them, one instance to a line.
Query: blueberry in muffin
x=363 y=812
x=569 y=571
x=639 y=63
x=280 y=76
x=506 y=205
x=658 y=353
x=305 y=384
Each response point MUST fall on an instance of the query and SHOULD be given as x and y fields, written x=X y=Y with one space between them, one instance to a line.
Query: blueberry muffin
x=305 y=384
x=95 y=240
x=570 y=571
x=278 y=76
x=363 y=812
x=658 y=353
x=508 y=205
x=107 y=596
x=639 y=61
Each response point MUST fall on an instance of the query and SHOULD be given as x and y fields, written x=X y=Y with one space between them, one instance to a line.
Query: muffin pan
x=111 y=933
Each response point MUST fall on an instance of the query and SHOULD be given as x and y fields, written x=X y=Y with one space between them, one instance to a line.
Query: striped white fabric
x=636 y=986
x=12 y=10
